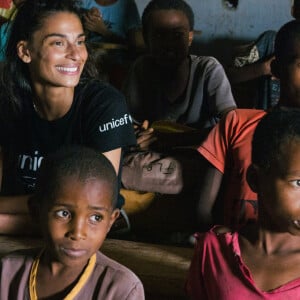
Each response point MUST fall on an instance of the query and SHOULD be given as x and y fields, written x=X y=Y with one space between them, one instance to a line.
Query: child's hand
x=267 y=66
x=93 y=21
x=144 y=135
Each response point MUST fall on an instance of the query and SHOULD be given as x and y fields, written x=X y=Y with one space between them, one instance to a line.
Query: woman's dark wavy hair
x=15 y=85
x=155 y=5
x=275 y=130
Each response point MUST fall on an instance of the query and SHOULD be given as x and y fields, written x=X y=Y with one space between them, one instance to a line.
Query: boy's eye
x=96 y=218
x=63 y=214
x=296 y=183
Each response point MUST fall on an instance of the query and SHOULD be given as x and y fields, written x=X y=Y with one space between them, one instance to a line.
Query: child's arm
x=251 y=71
x=209 y=187
x=144 y=134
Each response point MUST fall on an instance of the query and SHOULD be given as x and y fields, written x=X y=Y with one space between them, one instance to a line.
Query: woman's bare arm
x=115 y=158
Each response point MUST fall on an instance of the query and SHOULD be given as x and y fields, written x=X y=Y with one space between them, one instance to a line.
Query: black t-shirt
x=98 y=118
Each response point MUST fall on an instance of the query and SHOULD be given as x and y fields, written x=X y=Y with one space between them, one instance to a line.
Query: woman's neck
x=52 y=103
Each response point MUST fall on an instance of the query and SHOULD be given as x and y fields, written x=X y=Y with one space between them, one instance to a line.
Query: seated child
x=170 y=84
x=74 y=205
x=260 y=261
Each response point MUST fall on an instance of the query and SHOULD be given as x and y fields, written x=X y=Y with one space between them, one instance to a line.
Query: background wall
x=223 y=28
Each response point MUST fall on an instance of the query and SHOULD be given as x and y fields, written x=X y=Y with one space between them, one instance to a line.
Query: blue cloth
x=119 y=17
x=265 y=43
x=268 y=86
x=4 y=31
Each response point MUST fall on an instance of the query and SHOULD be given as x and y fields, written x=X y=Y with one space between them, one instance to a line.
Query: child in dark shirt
x=75 y=206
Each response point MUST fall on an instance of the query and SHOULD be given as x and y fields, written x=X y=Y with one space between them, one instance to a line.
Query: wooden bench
x=162 y=269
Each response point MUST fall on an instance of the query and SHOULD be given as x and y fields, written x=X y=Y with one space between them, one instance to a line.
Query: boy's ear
x=191 y=37
x=113 y=217
x=23 y=52
x=252 y=177
x=275 y=69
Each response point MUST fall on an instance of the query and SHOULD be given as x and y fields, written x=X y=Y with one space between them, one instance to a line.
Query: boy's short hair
x=275 y=130
x=286 y=38
x=78 y=162
x=154 y=5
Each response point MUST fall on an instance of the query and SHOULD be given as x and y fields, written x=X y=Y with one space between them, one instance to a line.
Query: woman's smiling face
x=57 y=53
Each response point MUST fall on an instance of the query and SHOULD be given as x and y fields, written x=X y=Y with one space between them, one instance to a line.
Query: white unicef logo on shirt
x=115 y=123
x=30 y=162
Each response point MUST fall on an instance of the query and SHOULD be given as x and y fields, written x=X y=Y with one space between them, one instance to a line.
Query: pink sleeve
x=194 y=286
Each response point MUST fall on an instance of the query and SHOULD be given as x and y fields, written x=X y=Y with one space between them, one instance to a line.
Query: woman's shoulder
x=93 y=87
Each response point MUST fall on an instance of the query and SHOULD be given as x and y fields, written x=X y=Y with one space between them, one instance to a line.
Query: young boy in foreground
x=74 y=204
x=260 y=261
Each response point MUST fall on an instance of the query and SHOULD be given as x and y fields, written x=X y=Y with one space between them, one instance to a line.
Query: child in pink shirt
x=260 y=261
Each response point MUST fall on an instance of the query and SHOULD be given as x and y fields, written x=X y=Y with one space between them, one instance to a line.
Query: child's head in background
x=168 y=30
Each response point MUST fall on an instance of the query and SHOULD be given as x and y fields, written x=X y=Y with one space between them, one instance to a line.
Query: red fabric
x=5 y=3
x=228 y=148
x=217 y=272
